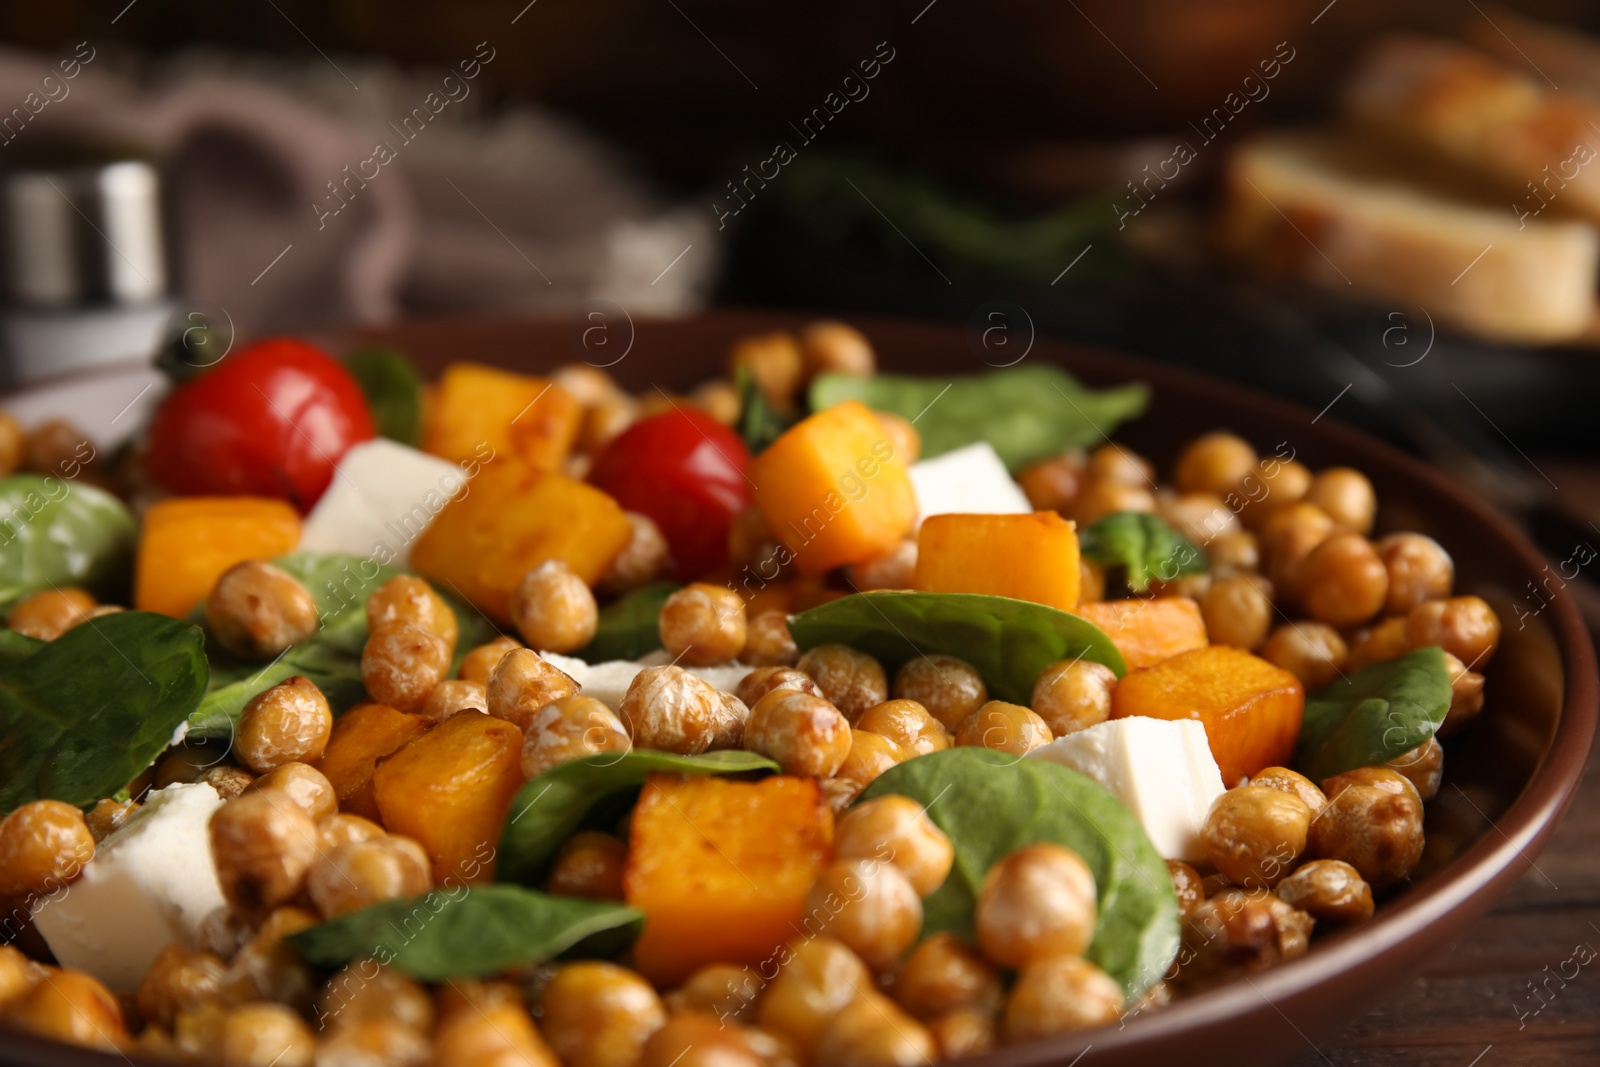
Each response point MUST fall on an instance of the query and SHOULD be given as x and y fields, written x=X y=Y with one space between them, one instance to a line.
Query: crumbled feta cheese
x=969 y=480
x=380 y=500
x=1161 y=770
x=150 y=883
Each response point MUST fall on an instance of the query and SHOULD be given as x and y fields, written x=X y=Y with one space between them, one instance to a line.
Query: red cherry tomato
x=271 y=420
x=686 y=471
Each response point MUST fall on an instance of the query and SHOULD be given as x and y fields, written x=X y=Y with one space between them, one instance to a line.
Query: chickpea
x=852 y=681
x=56 y=446
x=1382 y=642
x=1466 y=696
x=1238 y=611
x=1228 y=933
x=304 y=786
x=265 y=1035
x=478 y=664
x=897 y=830
x=1004 y=727
x=342 y=828
x=774 y=361
x=1293 y=926
x=600 y=1015
x=703 y=624
x=1073 y=694
x=1419 y=570
x=868 y=905
x=268 y=968
x=452 y=696
x=1288 y=537
x=570 y=728
x=70 y=1006
x=585 y=383
x=1214 y=463
x=763 y=680
x=1115 y=465
x=817 y=976
x=104 y=819
x=362 y=873
x=400 y=666
x=43 y=845
x=753 y=546
x=671 y=710
x=1343 y=582
x=642 y=560
x=1051 y=484
x=47 y=615
x=185 y=764
x=1097 y=499
x=1275 y=483
x=1375 y=828
x=949 y=688
x=224 y=931
x=522 y=684
x=1423 y=767
x=905 y=444
x=869 y=756
x=726 y=991
x=1091 y=581
x=10 y=444
x=907 y=724
x=1201 y=517
x=1186 y=885
x=289 y=723
x=1286 y=781
x=1037 y=901
x=497 y=1034
x=767 y=641
x=1347 y=496
x=1311 y=651
x=1234 y=553
x=805 y=734
x=829 y=347
x=604 y=421
x=1059 y=995
x=871 y=1031
x=589 y=865
x=942 y=976
x=17 y=972
x=406 y=600
x=367 y=1042
x=895 y=569
x=1464 y=626
x=1254 y=834
x=1329 y=890
x=257 y=610
x=179 y=980
x=554 y=609
x=719 y=399
x=963 y=1033
x=263 y=846
x=699 y=1038
x=229 y=781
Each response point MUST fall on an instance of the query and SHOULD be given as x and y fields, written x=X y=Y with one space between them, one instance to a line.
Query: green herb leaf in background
x=1144 y=547
x=629 y=626
x=463 y=932
x=552 y=805
x=1008 y=641
x=1026 y=412
x=758 y=424
x=1373 y=715
x=340 y=584
x=990 y=804
x=86 y=713
x=59 y=532
x=393 y=392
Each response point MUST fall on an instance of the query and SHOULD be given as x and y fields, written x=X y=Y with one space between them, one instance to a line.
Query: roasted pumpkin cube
x=511 y=520
x=187 y=542
x=1251 y=709
x=362 y=737
x=1149 y=631
x=1026 y=557
x=833 y=490
x=721 y=869
x=450 y=789
x=474 y=407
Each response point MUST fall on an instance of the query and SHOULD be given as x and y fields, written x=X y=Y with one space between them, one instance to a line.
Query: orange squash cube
x=833 y=490
x=512 y=519
x=450 y=789
x=1149 y=631
x=721 y=869
x=474 y=407
x=362 y=737
x=1251 y=709
x=188 y=541
x=1025 y=557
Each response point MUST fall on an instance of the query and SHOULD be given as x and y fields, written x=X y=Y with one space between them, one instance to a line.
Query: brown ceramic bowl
x=1507 y=779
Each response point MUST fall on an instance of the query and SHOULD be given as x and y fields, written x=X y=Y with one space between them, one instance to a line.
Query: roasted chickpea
x=1201 y=517
x=600 y=1015
x=367 y=1042
x=362 y=873
x=454 y=695
x=905 y=443
x=1375 y=828
x=774 y=361
x=1419 y=570
x=224 y=931
x=1186 y=885
x=852 y=681
x=1293 y=925
x=1313 y=652
x=401 y=665
x=105 y=818
x=869 y=906
x=1037 y=901
x=1051 y=484
x=1004 y=727
x=869 y=756
x=185 y=764
x=70 y=1006
x=406 y=600
x=497 y=1034
x=1073 y=694
x=1214 y=463
x=1060 y=994
x=725 y=991
x=1091 y=581
x=11 y=438
x=1238 y=611
x=289 y=723
x=897 y=830
x=872 y=1031
x=1347 y=496
x=1423 y=767
x=1286 y=781
x=949 y=688
x=895 y=569
x=1466 y=696
x=753 y=546
x=478 y=664
x=554 y=609
x=1234 y=553
x=1329 y=891
x=267 y=967
x=1464 y=626
x=943 y=975
x=907 y=724
x=805 y=734
x=262 y=845
x=1113 y=464
x=703 y=624
x=585 y=383
x=229 y=781
x=829 y=347
x=180 y=979
x=669 y=709
x=719 y=399
x=604 y=421
x=694 y=1037
x=1288 y=537
x=963 y=1033
x=1385 y=641
x=1343 y=582
x=43 y=845
x=257 y=610
x=17 y=974
x=642 y=560
x=343 y=828
x=570 y=728
x=522 y=684
x=589 y=865
x=763 y=680
x=1384 y=778
x=1275 y=483
x=817 y=976
x=302 y=785
x=1228 y=933
x=47 y=615
x=265 y=1035
x=1097 y=499
x=767 y=641
x=1254 y=834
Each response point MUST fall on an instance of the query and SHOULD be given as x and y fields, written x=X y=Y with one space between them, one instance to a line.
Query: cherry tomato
x=686 y=471
x=273 y=419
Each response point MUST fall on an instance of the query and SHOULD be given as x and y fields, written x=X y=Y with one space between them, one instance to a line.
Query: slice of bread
x=1340 y=214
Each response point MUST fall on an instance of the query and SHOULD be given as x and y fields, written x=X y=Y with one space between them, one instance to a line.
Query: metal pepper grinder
x=84 y=276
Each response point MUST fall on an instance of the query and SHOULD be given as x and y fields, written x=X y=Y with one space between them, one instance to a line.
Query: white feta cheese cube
x=382 y=497
x=1161 y=770
x=150 y=883
x=970 y=481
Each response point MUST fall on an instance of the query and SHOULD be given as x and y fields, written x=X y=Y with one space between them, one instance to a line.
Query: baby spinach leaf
x=87 y=712
x=340 y=584
x=1008 y=641
x=393 y=392
x=15 y=647
x=56 y=532
x=1373 y=715
x=1144 y=547
x=552 y=805
x=1025 y=412
x=463 y=932
x=759 y=424
x=990 y=803
x=629 y=626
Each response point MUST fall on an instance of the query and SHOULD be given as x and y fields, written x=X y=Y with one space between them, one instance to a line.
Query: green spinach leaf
x=990 y=803
x=1144 y=547
x=1025 y=412
x=463 y=932
x=552 y=805
x=15 y=647
x=56 y=532
x=86 y=713
x=629 y=626
x=393 y=392
x=340 y=584
x=1008 y=641
x=1373 y=715
x=759 y=423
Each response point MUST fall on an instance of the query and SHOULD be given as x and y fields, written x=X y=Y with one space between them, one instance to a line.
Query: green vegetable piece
x=1373 y=715
x=629 y=626
x=340 y=584
x=56 y=532
x=1025 y=412
x=1008 y=641
x=1144 y=546
x=990 y=804
x=464 y=932
x=393 y=391
x=16 y=647
x=86 y=713
x=552 y=805
x=759 y=424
